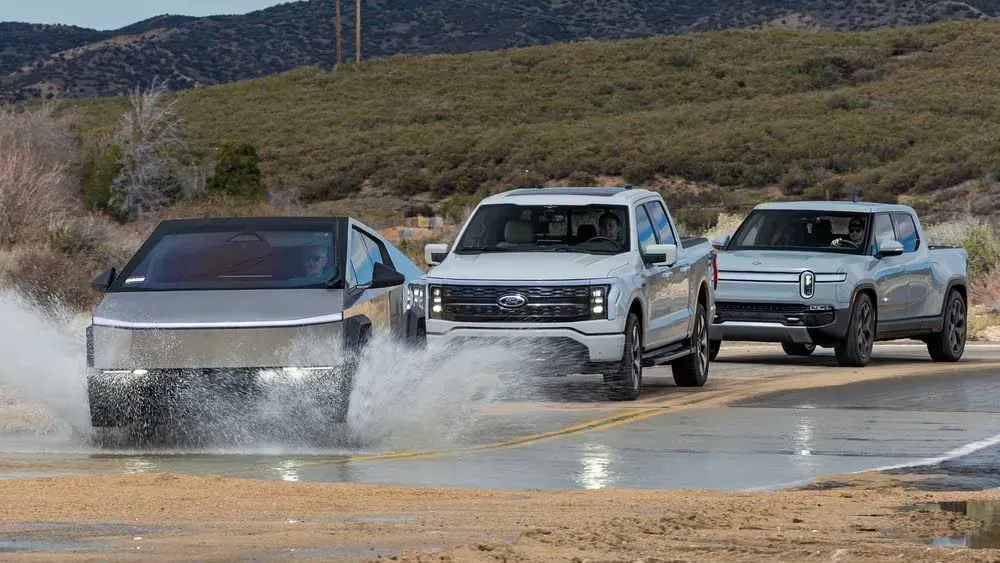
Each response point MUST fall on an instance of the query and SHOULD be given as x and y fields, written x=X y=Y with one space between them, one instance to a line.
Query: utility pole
x=357 y=31
x=340 y=39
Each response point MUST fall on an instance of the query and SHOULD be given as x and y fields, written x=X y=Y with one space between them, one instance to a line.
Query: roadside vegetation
x=715 y=122
x=905 y=112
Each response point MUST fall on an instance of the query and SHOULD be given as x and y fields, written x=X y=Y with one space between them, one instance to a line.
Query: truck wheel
x=625 y=378
x=713 y=349
x=795 y=349
x=856 y=348
x=949 y=344
x=692 y=370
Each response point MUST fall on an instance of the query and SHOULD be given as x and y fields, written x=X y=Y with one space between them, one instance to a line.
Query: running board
x=665 y=355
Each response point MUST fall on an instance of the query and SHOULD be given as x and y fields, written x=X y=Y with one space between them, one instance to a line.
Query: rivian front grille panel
x=758 y=312
x=542 y=304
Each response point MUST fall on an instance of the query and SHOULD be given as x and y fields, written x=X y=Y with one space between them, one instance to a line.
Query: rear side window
x=644 y=229
x=883 y=230
x=660 y=222
x=361 y=263
x=906 y=231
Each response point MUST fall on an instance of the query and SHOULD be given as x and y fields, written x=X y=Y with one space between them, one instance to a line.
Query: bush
x=34 y=181
x=977 y=237
x=51 y=278
x=101 y=167
x=237 y=172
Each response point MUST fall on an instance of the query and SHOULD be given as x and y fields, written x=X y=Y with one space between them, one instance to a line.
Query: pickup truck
x=212 y=310
x=596 y=280
x=840 y=275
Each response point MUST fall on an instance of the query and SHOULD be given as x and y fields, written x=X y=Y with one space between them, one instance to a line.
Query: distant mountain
x=38 y=61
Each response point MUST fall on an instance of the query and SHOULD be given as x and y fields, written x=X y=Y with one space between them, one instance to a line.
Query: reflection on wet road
x=771 y=441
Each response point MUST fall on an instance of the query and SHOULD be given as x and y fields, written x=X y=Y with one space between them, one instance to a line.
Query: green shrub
x=237 y=172
x=100 y=168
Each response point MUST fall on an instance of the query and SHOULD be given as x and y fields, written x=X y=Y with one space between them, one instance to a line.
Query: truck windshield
x=233 y=260
x=794 y=229
x=591 y=229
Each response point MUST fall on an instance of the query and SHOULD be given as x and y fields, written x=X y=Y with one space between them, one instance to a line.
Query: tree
x=149 y=129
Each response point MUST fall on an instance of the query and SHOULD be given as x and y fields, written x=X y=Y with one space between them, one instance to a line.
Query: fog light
x=598 y=309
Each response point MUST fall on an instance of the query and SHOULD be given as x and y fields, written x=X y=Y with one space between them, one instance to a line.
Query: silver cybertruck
x=217 y=303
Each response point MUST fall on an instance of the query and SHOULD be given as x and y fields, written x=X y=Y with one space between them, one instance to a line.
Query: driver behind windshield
x=315 y=262
x=611 y=227
x=855 y=234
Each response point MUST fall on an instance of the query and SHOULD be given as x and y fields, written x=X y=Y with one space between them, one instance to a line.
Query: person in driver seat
x=611 y=227
x=855 y=234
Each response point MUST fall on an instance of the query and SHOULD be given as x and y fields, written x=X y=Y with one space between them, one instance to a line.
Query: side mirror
x=889 y=247
x=434 y=254
x=384 y=276
x=661 y=254
x=102 y=283
x=721 y=241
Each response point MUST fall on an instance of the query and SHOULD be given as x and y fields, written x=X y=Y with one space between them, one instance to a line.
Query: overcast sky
x=112 y=14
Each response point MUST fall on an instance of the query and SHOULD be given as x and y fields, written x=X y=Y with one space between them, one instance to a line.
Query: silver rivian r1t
x=217 y=302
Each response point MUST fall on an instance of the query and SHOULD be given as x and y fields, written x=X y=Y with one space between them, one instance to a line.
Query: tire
x=343 y=385
x=713 y=349
x=625 y=378
x=795 y=349
x=855 y=350
x=949 y=344
x=692 y=370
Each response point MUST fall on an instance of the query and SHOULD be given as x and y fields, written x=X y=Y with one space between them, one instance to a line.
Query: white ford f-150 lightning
x=596 y=278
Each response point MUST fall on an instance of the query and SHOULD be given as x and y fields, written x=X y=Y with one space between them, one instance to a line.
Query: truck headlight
x=435 y=302
x=416 y=297
x=599 y=304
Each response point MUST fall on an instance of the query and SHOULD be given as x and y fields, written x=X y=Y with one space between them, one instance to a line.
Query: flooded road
x=559 y=434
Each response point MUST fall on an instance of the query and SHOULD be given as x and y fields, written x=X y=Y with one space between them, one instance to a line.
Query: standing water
x=402 y=397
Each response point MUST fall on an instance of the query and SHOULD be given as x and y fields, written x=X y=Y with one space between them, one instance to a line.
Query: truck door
x=919 y=274
x=678 y=311
x=889 y=274
x=657 y=283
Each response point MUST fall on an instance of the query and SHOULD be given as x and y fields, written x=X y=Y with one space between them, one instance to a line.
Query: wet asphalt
x=947 y=424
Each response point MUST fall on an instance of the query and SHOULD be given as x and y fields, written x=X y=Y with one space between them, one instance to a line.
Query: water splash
x=402 y=397
x=42 y=377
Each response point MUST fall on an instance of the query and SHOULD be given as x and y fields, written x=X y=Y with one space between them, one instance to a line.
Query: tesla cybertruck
x=224 y=301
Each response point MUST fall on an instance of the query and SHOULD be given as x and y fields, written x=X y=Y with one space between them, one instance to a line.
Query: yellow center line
x=658 y=406
x=596 y=424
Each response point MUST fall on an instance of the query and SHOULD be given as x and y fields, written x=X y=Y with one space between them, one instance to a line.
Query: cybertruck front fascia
x=189 y=330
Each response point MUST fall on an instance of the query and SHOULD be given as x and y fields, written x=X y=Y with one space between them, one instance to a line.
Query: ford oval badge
x=512 y=301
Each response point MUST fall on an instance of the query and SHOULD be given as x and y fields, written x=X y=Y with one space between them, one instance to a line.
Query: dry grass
x=35 y=177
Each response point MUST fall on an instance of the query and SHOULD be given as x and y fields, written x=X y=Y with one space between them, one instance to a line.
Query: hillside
x=70 y=62
x=724 y=116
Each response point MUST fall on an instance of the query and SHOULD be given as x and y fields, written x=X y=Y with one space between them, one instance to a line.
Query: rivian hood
x=765 y=261
x=527 y=265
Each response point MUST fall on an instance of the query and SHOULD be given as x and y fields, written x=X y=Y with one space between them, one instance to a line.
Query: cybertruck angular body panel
x=211 y=299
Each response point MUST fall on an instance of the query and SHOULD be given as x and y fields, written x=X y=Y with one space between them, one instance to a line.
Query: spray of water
x=41 y=375
x=402 y=397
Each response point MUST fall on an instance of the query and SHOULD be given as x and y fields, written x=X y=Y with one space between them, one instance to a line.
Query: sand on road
x=182 y=517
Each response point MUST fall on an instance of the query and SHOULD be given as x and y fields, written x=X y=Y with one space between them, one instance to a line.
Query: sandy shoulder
x=224 y=518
